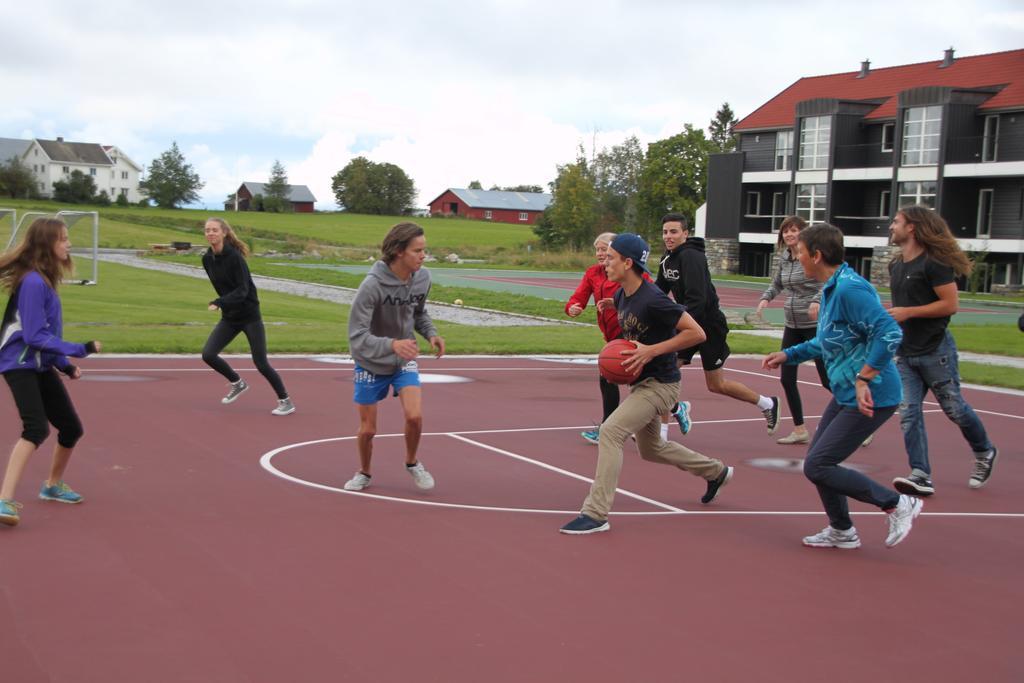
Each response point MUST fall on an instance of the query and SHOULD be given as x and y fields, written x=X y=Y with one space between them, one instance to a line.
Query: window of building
x=124 y=191
x=922 y=193
x=523 y=216
x=92 y=171
x=884 y=197
x=65 y=169
x=124 y=175
x=990 y=142
x=487 y=214
x=888 y=136
x=811 y=201
x=985 y=212
x=815 y=132
x=783 y=149
x=778 y=209
x=921 y=126
x=753 y=203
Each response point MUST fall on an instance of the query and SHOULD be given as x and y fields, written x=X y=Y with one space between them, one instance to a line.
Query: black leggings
x=609 y=397
x=41 y=398
x=791 y=337
x=224 y=333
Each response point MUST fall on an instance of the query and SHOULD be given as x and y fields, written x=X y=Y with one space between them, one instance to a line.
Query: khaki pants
x=639 y=414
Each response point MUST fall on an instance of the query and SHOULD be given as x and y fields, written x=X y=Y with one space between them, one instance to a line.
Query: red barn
x=299 y=195
x=491 y=205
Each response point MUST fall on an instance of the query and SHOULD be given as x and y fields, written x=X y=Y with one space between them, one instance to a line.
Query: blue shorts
x=370 y=388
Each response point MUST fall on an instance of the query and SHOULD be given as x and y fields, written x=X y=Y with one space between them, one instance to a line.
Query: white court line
x=559 y=470
x=267 y=464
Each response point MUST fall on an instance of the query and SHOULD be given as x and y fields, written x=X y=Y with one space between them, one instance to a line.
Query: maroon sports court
x=216 y=544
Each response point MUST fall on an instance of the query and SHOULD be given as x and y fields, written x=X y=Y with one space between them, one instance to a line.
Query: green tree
x=474 y=185
x=367 y=187
x=79 y=188
x=171 y=180
x=16 y=179
x=571 y=218
x=720 y=130
x=277 y=191
x=674 y=177
x=617 y=174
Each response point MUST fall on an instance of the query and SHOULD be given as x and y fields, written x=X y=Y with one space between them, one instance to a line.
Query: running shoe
x=284 y=407
x=830 y=537
x=715 y=484
x=914 y=485
x=358 y=482
x=795 y=438
x=592 y=435
x=420 y=476
x=59 y=492
x=9 y=512
x=867 y=442
x=237 y=389
x=771 y=416
x=682 y=416
x=901 y=518
x=983 y=468
x=585 y=525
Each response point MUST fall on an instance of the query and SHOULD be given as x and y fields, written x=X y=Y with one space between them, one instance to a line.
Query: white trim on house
x=988 y=168
x=907 y=174
x=859 y=242
x=767 y=176
x=810 y=177
x=872 y=173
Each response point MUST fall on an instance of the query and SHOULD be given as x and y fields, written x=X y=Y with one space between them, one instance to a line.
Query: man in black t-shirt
x=659 y=327
x=924 y=296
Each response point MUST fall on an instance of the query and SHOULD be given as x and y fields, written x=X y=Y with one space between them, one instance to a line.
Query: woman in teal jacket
x=857 y=339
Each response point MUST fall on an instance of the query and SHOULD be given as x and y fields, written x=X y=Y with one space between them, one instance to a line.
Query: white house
x=111 y=169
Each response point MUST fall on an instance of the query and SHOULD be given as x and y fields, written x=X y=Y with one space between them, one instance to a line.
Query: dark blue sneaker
x=59 y=492
x=585 y=525
x=682 y=416
x=715 y=484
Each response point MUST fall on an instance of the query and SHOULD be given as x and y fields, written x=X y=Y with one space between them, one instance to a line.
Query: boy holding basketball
x=659 y=327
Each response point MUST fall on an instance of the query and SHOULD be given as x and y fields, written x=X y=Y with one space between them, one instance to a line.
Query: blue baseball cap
x=632 y=246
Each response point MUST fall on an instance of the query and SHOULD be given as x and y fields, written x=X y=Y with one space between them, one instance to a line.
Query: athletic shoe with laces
x=716 y=484
x=867 y=442
x=983 y=468
x=795 y=438
x=59 y=492
x=830 y=537
x=901 y=518
x=585 y=525
x=358 y=482
x=237 y=389
x=592 y=435
x=682 y=416
x=914 y=485
x=420 y=476
x=284 y=407
x=771 y=416
x=9 y=512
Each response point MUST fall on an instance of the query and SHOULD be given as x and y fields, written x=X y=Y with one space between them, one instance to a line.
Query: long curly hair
x=35 y=252
x=932 y=232
x=229 y=235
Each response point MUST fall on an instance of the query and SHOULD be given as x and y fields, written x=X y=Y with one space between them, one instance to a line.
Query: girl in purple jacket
x=31 y=354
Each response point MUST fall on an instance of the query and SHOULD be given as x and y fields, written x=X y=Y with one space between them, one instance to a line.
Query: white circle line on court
x=266 y=462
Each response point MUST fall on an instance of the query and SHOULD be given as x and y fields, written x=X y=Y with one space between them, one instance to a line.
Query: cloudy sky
x=495 y=91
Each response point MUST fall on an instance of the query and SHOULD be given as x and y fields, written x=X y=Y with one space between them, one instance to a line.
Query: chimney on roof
x=60 y=139
x=865 y=68
x=947 y=58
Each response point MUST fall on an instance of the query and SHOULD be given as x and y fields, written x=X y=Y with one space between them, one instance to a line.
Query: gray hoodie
x=803 y=291
x=386 y=309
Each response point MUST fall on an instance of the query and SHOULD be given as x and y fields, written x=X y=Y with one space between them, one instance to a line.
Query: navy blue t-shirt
x=650 y=317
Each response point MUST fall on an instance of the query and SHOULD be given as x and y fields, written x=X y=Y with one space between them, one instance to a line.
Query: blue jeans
x=840 y=433
x=938 y=371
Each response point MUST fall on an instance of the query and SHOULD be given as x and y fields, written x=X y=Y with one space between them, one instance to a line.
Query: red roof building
x=851 y=148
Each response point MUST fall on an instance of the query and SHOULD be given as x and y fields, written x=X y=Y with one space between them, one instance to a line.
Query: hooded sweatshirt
x=32 y=328
x=803 y=291
x=229 y=275
x=684 y=274
x=385 y=309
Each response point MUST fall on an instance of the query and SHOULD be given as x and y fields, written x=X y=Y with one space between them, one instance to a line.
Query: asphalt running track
x=215 y=545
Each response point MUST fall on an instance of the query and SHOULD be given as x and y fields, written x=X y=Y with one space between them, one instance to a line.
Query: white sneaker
x=284 y=407
x=830 y=537
x=237 y=389
x=901 y=518
x=358 y=482
x=420 y=476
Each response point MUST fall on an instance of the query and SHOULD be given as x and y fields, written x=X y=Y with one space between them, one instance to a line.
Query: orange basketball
x=609 y=361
